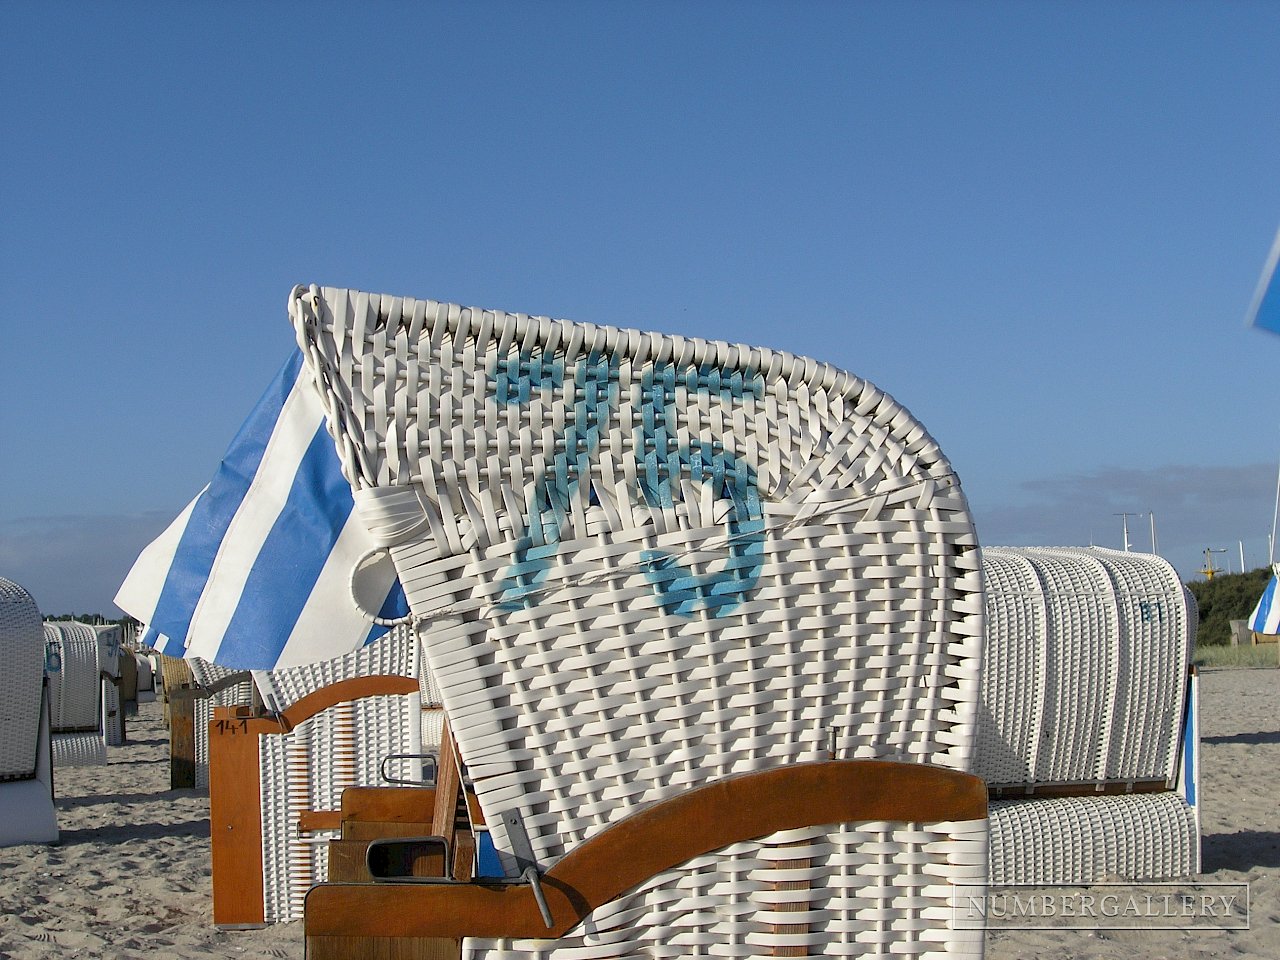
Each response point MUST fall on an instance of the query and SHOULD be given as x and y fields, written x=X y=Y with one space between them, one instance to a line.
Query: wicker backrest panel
x=307 y=769
x=642 y=562
x=72 y=664
x=1084 y=678
x=22 y=653
x=393 y=654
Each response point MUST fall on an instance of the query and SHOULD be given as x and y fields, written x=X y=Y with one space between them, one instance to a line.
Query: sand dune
x=131 y=875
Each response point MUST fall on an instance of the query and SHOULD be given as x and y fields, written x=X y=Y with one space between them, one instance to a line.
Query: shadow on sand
x=1242 y=851
x=124 y=832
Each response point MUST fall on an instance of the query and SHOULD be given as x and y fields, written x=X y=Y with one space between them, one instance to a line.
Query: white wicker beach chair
x=76 y=665
x=27 y=813
x=147 y=677
x=661 y=583
x=1085 y=696
x=110 y=651
x=303 y=758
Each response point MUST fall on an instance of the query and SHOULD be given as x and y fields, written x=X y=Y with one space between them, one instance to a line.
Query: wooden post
x=235 y=819
x=182 y=738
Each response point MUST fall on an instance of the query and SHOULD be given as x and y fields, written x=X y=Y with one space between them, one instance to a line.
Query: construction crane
x=1209 y=569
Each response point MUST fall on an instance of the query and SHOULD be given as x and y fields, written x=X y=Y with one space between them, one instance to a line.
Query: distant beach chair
x=1087 y=733
x=85 y=710
x=27 y=812
x=707 y=624
x=276 y=780
x=146 y=674
x=111 y=655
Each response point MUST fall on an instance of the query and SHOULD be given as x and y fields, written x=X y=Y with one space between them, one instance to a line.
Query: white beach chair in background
x=110 y=653
x=27 y=813
x=707 y=625
x=1087 y=731
x=80 y=672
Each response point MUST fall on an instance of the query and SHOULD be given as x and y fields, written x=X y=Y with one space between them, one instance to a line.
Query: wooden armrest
x=657 y=838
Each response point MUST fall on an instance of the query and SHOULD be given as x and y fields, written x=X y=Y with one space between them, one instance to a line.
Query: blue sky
x=1038 y=226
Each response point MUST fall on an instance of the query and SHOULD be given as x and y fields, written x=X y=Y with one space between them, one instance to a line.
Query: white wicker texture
x=307 y=769
x=206 y=675
x=146 y=679
x=1084 y=678
x=395 y=654
x=22 y=652
x=71 y=660
x=110 y=650
x=88 y=749
x=891 y=883
x=640 y=563
x=1091 y=839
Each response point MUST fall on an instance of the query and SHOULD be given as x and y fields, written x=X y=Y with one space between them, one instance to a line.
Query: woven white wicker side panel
x=22 y=653
x=395 y=654
x=207 y=673
x=307 y=769
x=203 y=712
x=78 y=749
x=645 y=562
x=72 y=648
x=873 y=890
x=1015 y=669
x=1085 y=665
x=1091 y=839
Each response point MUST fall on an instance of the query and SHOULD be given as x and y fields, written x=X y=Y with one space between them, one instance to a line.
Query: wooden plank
x=347 y=861
x=377 y=829
x=383 y=948
x=657 y=838
x=182 y=741
x=389 y=803
x=312 y=820
x=235 y=819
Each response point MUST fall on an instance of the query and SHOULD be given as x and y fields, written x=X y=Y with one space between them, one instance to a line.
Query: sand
x=130 y=877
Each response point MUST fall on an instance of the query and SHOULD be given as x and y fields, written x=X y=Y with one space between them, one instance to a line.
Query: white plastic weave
x=22 y=653
x=307 y=769
x=79 y=749
x=639 y=563
x=71 y=663
x=206 y=674
x=109 y=653
x=890 y=885
x=394 y=654
x=1092 y=839
x=1084 y=677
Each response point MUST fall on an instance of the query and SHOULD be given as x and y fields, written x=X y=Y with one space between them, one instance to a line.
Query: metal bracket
x=527 y=864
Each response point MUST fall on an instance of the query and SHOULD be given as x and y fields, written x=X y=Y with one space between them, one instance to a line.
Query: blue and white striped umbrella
x=1266 y=615
x=255 y=573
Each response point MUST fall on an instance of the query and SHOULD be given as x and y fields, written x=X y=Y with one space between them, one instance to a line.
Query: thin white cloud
x=74 y=564
x=1195 y=507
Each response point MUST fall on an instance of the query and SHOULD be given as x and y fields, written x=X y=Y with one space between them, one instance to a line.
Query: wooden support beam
x=657 y=838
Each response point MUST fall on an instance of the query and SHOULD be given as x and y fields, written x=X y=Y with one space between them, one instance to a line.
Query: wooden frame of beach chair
x=647 y=569
x=27 y=813
x=902 y=809
x=242 y=822
x=283 y=773
x=1085 y=717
